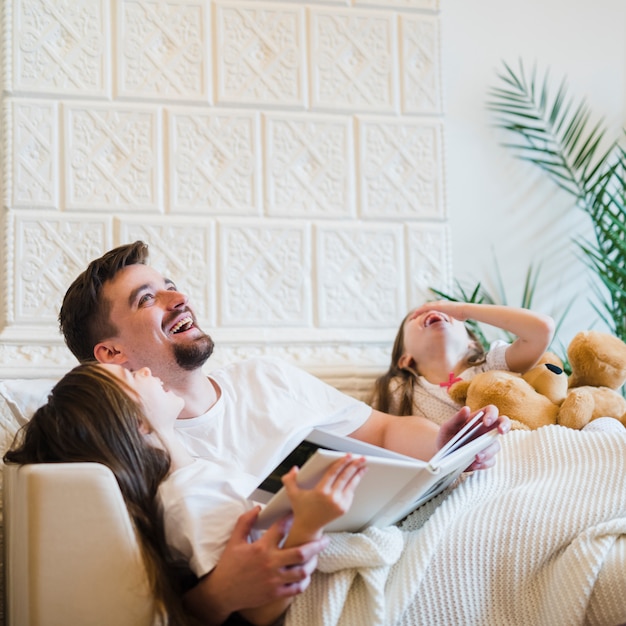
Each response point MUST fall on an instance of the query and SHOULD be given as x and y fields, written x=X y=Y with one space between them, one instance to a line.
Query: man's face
x=155 y=325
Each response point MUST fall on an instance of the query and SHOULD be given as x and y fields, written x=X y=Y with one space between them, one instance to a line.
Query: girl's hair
x=92 y=416
x=395 y=389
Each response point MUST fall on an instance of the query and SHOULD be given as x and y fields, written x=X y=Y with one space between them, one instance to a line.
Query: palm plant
x=557 y=135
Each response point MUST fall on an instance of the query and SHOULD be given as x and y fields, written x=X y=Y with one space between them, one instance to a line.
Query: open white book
x=392 y=487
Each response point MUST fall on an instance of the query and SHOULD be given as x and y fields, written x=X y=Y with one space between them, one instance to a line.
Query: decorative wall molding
x=35 y=358
x=34 y=156
x=284 y=160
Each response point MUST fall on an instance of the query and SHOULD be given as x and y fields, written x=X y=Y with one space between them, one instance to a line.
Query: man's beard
x=193 y=356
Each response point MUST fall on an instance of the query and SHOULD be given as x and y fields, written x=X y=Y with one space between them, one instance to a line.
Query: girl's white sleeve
x=200 y=507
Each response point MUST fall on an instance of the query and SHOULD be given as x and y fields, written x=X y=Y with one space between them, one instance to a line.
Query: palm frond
x=557 y=134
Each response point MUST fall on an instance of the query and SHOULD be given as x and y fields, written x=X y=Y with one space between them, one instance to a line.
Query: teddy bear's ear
x=458 y=391
x=597 y=359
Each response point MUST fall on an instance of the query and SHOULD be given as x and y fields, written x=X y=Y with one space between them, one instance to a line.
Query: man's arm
x=410 y=434
x=420 y=438
x=249 y=575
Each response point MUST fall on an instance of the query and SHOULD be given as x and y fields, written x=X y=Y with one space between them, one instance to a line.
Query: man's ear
x=406 y=360
x=107 y=352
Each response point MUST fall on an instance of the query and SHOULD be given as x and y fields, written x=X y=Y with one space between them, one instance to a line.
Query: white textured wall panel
x=420 y=64
x=60 y=48
x=360 y=277
x=353 y=65
x=259 y=53
x=401 y=168
x=214 y=161
x=309 y=165
x=264 y=273
x=34 y=156
x=162 y=50
x=428 y=257
x=284 y=160
x=50 y=250
x=112 y=157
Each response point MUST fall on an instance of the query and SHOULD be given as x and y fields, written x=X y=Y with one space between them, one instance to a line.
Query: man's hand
x=249 y=575
x=491 y=419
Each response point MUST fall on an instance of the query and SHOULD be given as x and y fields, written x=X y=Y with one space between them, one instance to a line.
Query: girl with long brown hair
x=125 y=420
x=434 y=348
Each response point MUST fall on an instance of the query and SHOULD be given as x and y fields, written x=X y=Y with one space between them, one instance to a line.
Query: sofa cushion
x=19 y=399
x=23 y=396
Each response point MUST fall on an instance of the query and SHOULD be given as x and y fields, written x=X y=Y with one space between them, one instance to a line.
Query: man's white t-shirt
x=266 y=406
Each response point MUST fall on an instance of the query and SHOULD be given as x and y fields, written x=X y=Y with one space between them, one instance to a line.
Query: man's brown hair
x=84 y=315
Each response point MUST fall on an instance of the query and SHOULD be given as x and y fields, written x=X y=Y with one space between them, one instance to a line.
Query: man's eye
x=145 y=298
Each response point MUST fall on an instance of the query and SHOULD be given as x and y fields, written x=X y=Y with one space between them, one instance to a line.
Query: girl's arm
x=534 y=331
x=312 y=510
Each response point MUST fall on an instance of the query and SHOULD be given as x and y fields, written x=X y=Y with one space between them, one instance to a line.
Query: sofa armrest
x=71 y=555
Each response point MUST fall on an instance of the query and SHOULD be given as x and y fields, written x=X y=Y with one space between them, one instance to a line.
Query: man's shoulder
x=257 y=364
x=269 y=372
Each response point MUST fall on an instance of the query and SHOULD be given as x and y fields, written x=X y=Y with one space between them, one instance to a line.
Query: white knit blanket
x=522 y=543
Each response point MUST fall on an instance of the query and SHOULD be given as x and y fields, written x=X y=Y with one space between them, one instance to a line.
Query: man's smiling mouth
x=184 y=324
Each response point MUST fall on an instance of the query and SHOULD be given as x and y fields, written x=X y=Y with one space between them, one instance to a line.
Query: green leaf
x=557 y=135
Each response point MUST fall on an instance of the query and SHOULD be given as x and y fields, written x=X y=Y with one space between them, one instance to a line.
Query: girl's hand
x=457 y=310
x=328 y=500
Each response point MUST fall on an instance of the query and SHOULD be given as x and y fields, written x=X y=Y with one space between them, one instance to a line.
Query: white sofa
x=70 y=554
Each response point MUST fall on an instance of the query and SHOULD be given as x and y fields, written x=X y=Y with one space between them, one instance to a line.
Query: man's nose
x=175 y=299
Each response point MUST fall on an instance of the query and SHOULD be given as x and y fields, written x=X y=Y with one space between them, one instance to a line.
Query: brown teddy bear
x=545 y=395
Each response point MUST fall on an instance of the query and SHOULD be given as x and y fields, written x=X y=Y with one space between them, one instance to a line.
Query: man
x=245 y=417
